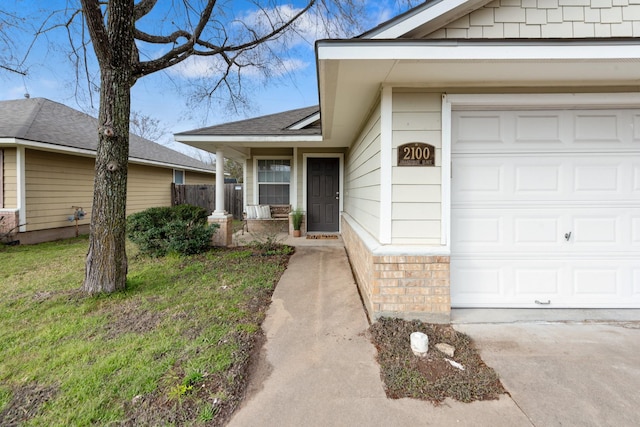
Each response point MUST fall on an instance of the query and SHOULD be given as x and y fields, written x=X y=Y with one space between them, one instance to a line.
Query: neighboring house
x=533 y=198
x=47 y=161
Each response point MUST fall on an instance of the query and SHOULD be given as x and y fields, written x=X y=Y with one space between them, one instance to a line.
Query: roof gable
x=424 y=19
x=288 y=123
x=44 y=121
x=514 y=19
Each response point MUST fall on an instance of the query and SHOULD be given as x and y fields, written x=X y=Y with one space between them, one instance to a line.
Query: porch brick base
x=402 y=286
x=9 y=220
x=224 y=234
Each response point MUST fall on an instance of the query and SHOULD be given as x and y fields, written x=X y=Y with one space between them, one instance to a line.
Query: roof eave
x=351 y=72
x=17 y=142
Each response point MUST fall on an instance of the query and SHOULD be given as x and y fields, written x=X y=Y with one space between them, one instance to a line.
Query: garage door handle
x=567 y=236
x=547 y=302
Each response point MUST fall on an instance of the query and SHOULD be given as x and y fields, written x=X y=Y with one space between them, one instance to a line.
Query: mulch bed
x=431 y=378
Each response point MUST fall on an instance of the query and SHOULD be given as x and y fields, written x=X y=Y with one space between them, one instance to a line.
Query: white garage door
x=545 y=208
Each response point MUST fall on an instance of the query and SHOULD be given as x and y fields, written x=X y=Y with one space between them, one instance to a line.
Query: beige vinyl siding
x=362 y=177
x=54 y=183
x=515 y=19
x=416 y=192
x=9 y=180
x=148 y=187
x=199 y=178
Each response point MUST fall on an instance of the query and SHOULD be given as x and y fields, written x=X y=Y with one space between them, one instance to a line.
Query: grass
x=431 y=378
x=173 y=349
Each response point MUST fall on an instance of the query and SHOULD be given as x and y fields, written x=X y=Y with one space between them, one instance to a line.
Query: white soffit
x=351 y=72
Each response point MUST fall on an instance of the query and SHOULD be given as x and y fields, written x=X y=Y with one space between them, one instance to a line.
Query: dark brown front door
x=323 y=199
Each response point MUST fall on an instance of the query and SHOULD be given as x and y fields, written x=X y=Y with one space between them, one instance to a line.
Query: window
x=178 y=176
x=273 y=181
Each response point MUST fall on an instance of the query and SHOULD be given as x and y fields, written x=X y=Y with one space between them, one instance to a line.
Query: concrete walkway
x=318 y=365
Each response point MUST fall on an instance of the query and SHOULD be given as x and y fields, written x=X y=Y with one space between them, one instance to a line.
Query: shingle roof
x=270 y=125
x=42 y=120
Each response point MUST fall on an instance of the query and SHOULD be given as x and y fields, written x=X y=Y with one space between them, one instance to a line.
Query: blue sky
x=164 y=95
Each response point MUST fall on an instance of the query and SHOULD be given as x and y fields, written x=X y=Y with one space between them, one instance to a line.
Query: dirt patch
x=130 y=318
x=216 y=394
x=431 y=378
x=26 y=402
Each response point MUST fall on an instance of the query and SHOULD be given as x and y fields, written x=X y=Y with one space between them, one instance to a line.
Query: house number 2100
x=416 y=154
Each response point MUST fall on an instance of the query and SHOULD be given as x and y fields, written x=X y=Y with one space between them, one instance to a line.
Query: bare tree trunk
x=106 y=266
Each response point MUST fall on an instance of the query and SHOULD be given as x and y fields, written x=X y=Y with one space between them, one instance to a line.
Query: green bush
x=182 y=229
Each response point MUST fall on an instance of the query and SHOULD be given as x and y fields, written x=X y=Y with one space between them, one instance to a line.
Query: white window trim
x=386 y=165
x=21 y=188
x=256 y=190
x=184 y=176
x=340 y=157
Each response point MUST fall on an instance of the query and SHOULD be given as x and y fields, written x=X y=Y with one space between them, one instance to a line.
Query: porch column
x=224 y=234
x=219 y=183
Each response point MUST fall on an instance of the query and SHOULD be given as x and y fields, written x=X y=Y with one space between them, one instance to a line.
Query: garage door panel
x=596 y=282
x=475 y=281
x=538 y=178
x=537 y=282
x=482 y=178
x=635 y=231
x=596 y=128
x=545 y=283
x=597 y=178
x=479 y=128
x=546 y=207
x=539 y=128
x=537 y=231
x=595 y=231
x=507 y=230
x=480 y=231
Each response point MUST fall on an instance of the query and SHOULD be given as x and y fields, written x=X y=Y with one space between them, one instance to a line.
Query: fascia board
x=305 y=122
x=476 y=52
x=186 y=139
x=422 y=17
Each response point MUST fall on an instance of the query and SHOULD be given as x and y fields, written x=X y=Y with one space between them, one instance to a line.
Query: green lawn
x=170 y=350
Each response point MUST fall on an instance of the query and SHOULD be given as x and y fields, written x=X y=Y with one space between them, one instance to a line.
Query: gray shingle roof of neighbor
x=270 y=125
x=45 y=121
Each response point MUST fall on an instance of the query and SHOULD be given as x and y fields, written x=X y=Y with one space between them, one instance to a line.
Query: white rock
x=419 y=344
x=447 y=349
x=454 y=364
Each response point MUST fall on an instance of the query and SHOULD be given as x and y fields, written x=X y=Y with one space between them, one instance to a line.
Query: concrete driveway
x=566 y=373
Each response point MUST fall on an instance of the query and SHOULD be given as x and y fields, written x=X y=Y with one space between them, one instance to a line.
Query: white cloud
x=196 y=67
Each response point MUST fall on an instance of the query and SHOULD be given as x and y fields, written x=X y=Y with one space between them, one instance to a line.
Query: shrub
x=182 y=229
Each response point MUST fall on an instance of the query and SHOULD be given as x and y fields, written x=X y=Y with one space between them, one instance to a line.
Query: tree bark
x=106 y=266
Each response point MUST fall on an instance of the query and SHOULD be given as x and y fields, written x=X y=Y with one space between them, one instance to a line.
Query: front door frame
x=340 y=157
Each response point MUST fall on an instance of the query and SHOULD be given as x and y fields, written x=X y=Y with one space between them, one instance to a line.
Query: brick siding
x=402 y=286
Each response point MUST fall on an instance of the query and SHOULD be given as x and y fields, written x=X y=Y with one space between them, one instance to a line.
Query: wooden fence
x=205 y=197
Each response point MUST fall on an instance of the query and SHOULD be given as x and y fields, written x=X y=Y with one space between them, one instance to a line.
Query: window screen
x=273 y=181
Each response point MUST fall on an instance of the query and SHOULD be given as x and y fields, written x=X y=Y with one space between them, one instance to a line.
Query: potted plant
x=296 y=219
